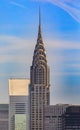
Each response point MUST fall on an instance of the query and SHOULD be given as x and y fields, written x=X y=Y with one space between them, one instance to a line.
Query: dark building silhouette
x=39 y=84
x=71 y=118
x=4 y=117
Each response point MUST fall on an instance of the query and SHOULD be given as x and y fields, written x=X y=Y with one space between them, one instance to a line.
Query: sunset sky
x=61 y=35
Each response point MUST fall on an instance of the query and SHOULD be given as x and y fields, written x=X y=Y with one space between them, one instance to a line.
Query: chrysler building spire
x=39 y=30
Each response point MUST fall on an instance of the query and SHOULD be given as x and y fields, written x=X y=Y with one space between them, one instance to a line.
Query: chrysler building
x=39 y=83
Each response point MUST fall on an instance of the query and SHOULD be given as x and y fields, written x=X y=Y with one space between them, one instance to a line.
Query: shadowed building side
x=71 y=118
x=4 y=116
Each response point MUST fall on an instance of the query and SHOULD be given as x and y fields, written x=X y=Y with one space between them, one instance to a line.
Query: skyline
x=60 y=31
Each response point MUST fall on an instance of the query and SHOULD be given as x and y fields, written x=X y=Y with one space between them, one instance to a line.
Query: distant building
x=71 y=118
x=53 y=116
x=4 y=117
x=19 y=104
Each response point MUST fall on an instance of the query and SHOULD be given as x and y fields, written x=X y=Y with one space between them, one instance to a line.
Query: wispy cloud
x=15 y=49
x=70 y=6
x=14 y=43
x=18 y=4
x=60 y=44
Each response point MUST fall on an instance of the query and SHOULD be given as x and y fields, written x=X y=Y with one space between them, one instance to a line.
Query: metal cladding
x=39 y=84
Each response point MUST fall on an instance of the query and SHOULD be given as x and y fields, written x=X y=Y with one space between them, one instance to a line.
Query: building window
x=39 y=75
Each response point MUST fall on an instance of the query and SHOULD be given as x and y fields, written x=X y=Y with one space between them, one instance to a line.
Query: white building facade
x=19 y=104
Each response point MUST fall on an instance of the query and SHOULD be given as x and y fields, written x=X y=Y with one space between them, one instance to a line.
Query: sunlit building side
x=19 y=104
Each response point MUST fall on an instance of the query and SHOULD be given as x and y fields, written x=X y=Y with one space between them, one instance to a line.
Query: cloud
x=14 y=43
x=67 y=73
x=16 y=53
x=11 y=45
x=15 y=49
x=62 y=44
x=70 y=6
x=18 y=50
x=17 y=4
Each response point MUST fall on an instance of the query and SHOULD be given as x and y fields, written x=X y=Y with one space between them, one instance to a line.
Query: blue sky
x=60 y=30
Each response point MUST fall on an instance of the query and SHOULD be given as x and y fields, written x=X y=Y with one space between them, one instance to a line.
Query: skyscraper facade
x=39 y=84
x=53 y=116
x=19 y=104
